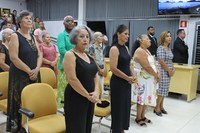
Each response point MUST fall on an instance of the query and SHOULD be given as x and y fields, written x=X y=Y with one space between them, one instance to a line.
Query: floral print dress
x=144 y=90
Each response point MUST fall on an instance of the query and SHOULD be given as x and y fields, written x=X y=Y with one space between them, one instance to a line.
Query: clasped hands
x=94 y=97
x=33 y=73
x=131 y=79
x=53 y=63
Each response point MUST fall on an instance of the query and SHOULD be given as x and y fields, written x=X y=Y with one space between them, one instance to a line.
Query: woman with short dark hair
x=26 y=61
x=144 y=90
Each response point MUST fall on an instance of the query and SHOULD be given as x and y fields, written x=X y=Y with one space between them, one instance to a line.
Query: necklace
x=31 y=42
x=78 y=51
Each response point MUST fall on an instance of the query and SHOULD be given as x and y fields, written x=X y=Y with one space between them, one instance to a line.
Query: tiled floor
x=183 y=117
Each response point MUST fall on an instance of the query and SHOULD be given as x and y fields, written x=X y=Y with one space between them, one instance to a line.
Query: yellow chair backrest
x=48 y=76
x=100 y=89
x=109 y=73
x=4 y=84
x=40 y=99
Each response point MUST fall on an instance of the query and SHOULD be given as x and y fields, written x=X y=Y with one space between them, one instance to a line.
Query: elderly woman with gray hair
x=82 y=90
x=4 y=53
x=26 y=61
x=96 y=51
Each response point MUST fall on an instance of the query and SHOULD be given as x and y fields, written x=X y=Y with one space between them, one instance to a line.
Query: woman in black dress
x=121 y=81
x=82 y=91
x=4 y=54
x=26 y=61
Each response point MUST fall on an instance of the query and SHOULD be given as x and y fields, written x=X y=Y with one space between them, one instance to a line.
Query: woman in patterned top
x=164 y=56
x=144 y=91
x=96 y=51
x=4 y=54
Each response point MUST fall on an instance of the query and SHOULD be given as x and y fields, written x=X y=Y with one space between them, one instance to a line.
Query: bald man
x=64 y=45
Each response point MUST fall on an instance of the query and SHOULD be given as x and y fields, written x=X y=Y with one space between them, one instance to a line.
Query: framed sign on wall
x=6 y=11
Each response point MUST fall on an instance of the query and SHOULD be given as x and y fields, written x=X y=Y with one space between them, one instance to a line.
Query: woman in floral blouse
x=144 y=90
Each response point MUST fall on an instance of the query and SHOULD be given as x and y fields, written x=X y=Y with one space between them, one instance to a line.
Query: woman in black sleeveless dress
x=26 y=61
x=82 y=91
x=121 y=81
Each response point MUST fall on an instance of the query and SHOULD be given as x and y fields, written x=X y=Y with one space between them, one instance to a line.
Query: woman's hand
x=34 y=73
x=171 y=73
x=53 y=63
x=101 y=72
x=94 y=97
x=131 y=79
x=157 y=77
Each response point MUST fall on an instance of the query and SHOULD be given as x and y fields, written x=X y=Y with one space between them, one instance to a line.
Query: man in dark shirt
x=5 y=18
x=154 y=44
x=180 y=49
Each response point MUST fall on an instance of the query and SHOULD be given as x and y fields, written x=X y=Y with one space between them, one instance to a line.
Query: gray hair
x=74 y=33
x=5 y=33
x=23 y=14
x=97 y=34
x=140 y=37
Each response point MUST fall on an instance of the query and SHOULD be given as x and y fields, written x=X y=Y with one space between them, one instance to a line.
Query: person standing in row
x=154 y=45
x=24 y=70
x=96 y=51
x=121 y=81
x=146 y=72
x=180 y=49
x=4 y=53
x=39 y=32
x=82 y=90
x=164 y=56
x=50 y=56
x=64 y=45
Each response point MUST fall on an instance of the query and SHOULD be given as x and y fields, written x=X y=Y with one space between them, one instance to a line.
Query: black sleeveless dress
x=18 y=79
x=4 y=50
x=78 y=109
x=121 y=93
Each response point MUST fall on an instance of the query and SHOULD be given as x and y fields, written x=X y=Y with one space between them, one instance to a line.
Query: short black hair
x=150 y=27
x=179 y=31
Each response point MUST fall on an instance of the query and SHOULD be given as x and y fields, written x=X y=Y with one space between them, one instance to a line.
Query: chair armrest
x=1 y=94
x=106 y=88
x=62 y=102
x=26 y=112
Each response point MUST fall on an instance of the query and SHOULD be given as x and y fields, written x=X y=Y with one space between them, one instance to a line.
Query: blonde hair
x=163 y=35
